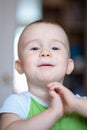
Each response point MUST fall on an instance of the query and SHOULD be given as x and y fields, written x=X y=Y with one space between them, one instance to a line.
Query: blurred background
x=16 y=14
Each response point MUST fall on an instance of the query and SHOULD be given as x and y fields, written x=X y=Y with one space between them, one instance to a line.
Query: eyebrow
x=30 y=41
x=56 y=40
x=35 y=40
x=60 y=42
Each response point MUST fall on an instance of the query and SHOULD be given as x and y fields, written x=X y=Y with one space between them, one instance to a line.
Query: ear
x=18 y=67
x=70 y=66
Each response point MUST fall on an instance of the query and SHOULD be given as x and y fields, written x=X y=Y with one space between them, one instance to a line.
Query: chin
x=46 y=80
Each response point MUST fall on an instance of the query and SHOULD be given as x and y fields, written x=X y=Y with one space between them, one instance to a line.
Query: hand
x=56 y=105
x=66 y=98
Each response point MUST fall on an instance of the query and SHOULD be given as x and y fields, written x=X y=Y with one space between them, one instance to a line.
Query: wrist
x=76 y=105
x=54 y=114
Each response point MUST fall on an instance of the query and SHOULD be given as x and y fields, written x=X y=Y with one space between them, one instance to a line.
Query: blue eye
x=34 y=48
x=55 y=48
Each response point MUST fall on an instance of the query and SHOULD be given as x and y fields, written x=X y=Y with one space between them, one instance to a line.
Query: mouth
x=45 y=65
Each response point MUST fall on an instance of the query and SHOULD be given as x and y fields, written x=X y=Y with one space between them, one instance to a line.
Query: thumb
x=52 y=93
x=54 y=98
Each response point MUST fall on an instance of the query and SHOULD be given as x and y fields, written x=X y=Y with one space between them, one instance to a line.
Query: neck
x=40 y=91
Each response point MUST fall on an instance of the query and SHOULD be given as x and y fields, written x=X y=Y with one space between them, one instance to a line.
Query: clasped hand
x=62 y=100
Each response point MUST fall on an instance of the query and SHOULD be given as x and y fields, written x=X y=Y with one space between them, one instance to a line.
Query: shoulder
x=17 y=104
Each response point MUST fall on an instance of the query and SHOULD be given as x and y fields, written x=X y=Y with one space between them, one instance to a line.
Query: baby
x=44 y=58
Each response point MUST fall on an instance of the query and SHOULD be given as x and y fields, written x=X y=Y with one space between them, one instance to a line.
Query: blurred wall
x=7 y=30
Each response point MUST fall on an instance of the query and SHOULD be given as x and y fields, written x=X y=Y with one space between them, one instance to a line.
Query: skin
x=44 y=58
x=46 y=42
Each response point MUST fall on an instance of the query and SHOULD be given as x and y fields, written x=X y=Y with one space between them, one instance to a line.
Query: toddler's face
x=44 y=53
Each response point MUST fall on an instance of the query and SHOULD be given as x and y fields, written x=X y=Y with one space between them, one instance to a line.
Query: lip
x=45 y=65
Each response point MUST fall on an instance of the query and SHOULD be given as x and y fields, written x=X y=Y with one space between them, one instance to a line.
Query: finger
x=54 y=86
x=55 y=97
x=60 y=89
x=52 y=94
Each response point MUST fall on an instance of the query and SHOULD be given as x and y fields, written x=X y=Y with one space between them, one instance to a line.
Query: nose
x=45 y=53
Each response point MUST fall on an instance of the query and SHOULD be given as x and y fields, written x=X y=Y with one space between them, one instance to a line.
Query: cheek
x=62 y=58
x=29 y=62
x=62 y=62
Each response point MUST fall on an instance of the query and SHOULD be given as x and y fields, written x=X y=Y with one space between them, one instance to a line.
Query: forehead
x=44 y=30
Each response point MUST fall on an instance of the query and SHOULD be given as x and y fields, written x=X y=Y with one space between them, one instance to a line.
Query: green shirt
x=68 y=122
